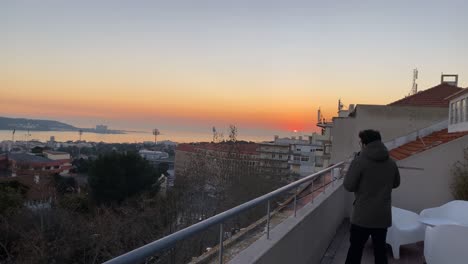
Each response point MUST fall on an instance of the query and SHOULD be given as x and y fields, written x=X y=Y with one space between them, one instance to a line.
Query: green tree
x=460 y=178
x=81 y=165
x=162 y=168
x=65 y=185
x=115 y=176
x=11 y=196
x=75 y=203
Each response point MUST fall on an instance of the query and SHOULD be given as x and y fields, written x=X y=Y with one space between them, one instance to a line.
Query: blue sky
x=260 y=64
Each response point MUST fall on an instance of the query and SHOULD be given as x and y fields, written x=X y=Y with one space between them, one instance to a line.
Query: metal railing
x=140 y=254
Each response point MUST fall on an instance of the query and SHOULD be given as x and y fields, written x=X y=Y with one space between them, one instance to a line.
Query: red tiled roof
x=185 y=147
x=459 y=93
x=427 y=142
x=432 y=97
x=244 y=148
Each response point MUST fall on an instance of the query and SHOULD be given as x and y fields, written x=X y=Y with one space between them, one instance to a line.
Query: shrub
x=460 y=180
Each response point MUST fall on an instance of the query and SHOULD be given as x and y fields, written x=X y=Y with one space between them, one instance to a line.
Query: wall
x=431 y=187
x=458 y=127
x=391 y=121
x=303 y=239
x=461 y=124
x=343 y=137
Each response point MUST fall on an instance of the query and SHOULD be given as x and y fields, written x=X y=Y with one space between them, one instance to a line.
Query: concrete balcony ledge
x=304 y=238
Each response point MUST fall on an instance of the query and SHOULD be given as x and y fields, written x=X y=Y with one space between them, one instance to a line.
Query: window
x=466 y=108
x=452 y=113
x=280 y=156
x=297 y=158
x=463 y=110
x=459 y=110
x=273 y=155
x=298 y=149
x=304 y=158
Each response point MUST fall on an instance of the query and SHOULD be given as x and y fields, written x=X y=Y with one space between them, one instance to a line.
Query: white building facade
x=458 y=112
x=153 y=155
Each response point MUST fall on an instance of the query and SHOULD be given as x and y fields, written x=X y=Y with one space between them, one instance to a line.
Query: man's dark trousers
x=358 y=238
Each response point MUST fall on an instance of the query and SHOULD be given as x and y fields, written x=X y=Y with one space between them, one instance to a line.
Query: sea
x=129 y=137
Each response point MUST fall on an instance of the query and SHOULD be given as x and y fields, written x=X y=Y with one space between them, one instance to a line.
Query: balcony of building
x=311 y=226
x=274 y=151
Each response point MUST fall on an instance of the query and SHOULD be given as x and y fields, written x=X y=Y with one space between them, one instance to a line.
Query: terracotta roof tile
x=244 y=148
x=436 y=96
x=425 y=143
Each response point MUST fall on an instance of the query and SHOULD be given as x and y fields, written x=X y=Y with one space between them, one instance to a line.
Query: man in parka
x=371 y=176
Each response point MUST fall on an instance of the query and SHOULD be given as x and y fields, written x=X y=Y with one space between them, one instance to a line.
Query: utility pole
x=80 y=132
x=156 y=133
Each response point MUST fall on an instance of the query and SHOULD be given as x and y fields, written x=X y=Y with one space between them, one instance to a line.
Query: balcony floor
x=336 y=252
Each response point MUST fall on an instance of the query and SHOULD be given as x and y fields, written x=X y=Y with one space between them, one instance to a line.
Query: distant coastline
x=24 y=124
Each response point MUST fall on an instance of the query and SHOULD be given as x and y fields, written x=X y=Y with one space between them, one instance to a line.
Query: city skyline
x=261 y=65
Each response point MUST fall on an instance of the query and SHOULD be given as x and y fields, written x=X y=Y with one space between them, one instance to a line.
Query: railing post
x=221 y=236
x=295 y=202
x=323 y=182
x=268 y=220
x=312 y=186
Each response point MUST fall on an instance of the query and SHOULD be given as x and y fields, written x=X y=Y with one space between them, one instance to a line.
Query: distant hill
x=7 y=123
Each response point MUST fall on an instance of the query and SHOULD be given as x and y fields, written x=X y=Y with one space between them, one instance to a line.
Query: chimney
x=276 y=137
x=453 y=79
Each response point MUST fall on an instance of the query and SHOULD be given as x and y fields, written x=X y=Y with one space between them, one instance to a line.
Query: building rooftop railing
x=140 y=254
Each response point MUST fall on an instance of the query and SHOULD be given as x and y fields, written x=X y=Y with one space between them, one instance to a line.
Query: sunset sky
x=188 y=65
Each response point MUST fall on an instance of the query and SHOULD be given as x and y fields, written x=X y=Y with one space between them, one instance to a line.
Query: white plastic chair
x=405 y=229
x=456 y=211
x=446 y=244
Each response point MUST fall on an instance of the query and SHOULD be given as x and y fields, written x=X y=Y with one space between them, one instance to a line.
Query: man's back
x=372 y=176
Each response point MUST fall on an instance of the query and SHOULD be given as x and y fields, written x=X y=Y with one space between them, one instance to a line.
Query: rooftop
x=459 y=93
x=25 y=157
x=243 y=148
x=432 y=97
x=422 y=144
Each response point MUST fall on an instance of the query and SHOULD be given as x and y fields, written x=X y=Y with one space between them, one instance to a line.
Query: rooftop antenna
x=319 y=115
x=340 y=105
x=414 y=89
x=80 y=132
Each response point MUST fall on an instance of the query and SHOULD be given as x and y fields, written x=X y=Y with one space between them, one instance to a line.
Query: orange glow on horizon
x=51 y=100
x=288 y=105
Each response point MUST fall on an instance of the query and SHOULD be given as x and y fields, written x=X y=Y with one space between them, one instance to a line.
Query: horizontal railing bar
x=140 y=254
